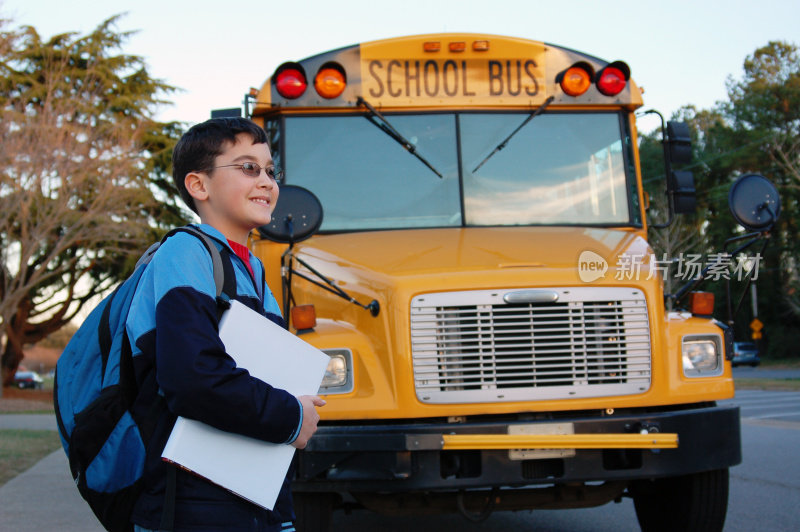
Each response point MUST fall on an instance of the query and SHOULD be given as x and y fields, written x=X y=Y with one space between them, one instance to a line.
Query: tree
x=81 y=163
x=764 y=114
x=756 y=131
x=766 y=102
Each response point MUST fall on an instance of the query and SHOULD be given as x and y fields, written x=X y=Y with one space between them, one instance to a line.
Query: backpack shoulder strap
x=224 y=275
x=224 y=280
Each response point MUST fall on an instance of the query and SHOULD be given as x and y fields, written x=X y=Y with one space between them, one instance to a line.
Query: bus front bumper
x=406 y=457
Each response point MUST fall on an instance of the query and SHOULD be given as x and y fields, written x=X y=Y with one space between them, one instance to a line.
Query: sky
x=680 y=52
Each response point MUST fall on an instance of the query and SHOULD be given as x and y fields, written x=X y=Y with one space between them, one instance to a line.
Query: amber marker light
x=480 y=46
x=432 y=46
x=330 y=82
x=701 y=303
x=291 y=83
x=304 y=317
x=577 y=79
x=458 y=46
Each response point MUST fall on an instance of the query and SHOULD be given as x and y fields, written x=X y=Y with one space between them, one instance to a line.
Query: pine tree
x=81 y=164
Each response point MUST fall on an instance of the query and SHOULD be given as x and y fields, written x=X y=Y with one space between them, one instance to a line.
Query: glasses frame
x=277 y=176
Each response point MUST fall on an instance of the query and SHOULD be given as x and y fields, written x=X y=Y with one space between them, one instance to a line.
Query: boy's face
x=237 y=203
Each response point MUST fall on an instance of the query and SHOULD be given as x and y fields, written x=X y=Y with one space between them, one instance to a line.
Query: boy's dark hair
x=202 y=143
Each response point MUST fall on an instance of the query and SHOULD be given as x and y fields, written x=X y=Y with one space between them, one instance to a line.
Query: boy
x=224 y=172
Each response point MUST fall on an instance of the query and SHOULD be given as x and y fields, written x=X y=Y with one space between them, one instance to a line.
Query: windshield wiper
x=502 y=145
x=387 y=128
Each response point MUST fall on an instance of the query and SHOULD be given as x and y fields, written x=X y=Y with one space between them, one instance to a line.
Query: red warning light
x=613 y=79
x=291 y=83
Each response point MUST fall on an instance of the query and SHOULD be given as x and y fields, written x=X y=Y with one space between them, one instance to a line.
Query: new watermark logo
x=591 y=266
x=686 y=266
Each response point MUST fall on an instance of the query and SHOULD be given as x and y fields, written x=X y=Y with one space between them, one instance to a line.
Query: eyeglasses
x=254 y=170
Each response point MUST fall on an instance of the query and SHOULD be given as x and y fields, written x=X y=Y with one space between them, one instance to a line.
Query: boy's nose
x=265 y=181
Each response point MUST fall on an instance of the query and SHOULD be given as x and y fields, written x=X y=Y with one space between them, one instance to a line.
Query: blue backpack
x=95 y=388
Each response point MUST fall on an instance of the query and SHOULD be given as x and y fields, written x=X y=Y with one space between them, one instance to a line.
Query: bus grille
x=476 y=347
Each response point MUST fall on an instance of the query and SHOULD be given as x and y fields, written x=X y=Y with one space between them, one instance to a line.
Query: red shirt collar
x=243 y=252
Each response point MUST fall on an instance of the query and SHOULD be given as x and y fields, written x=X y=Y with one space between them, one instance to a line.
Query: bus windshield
x=558 y=169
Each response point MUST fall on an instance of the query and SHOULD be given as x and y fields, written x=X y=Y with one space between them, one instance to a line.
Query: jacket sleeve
x=198 y=378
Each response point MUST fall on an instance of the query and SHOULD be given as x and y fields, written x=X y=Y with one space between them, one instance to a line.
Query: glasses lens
x=251 y=169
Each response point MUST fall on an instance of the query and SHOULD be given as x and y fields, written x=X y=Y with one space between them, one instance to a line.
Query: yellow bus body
x=382 y=376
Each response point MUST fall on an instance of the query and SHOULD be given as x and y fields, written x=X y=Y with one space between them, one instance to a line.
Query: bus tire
x=690 y=503
x=314 y=511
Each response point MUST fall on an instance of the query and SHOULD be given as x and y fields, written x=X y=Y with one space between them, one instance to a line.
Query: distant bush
x=60 y=338
x=781 y=341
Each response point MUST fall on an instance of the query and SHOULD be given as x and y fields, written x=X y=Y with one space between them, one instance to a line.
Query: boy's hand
x=310 y=419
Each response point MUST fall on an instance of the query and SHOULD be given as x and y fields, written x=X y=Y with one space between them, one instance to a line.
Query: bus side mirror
x=680 y=186
x=754 y=202
x=680 y=183
x=297 y=216
x=681 y=194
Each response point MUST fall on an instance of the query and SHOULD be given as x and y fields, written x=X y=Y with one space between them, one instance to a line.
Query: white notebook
x=250 y=468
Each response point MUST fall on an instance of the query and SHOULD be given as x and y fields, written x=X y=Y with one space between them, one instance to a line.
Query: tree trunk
x=15 y=340
x=12 y=356
x=20 y=332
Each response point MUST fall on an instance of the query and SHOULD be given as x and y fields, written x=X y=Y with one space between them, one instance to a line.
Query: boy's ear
x=195 y=183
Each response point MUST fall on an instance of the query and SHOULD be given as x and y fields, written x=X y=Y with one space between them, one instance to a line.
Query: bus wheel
x=314 y=511
x=689 y=503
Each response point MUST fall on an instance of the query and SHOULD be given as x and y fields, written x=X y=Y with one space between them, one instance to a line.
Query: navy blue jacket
x=183 y=370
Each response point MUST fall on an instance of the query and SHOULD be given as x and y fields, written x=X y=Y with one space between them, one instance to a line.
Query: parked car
x=28 y=379
x=745 y=353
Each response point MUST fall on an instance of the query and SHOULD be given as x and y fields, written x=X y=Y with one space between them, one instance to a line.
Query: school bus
x=451 y=230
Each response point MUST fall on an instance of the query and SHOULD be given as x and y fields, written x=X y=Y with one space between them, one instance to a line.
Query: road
x=765 y=488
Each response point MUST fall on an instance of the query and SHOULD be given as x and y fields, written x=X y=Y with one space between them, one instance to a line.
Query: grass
x=768 y=384
x=28 y=410
x=772 y=384
x=23 y=406
x=21 y=449
x=780 y=363
x=16 y=401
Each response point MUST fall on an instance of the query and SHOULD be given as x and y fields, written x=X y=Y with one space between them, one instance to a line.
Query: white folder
x=252 y=469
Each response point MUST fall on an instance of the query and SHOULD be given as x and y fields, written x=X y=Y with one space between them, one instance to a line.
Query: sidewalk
x=28 y=421
x=43 y=498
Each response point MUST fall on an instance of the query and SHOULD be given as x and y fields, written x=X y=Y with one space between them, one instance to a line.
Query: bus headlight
x=702 y=355
x=339 y=373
